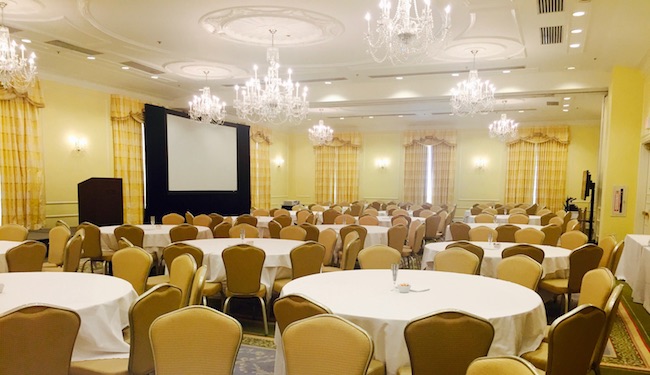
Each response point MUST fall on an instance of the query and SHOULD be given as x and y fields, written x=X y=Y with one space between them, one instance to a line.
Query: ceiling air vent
x=551 y=35
x=72 y=47
x=550 y=6
x=144 y=68
x=552 y=104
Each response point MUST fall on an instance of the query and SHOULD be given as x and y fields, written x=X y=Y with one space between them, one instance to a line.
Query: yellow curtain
x=126 y=119
x=21 y=158
x=543 y=148
x=337 y=169
x=260 y=140
x=443 y=145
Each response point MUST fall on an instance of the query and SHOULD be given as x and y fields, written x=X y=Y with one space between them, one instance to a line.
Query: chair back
x=246 y=219
x=181 y=274
x=189 y=217
x=397 y=236
x=597 y=285
x=517 y=210
x=183 y=232
x=317 y=207
x=484 y=218
x=532 y=251
x=293 y=232
x=378 y=257
x=482 y=233
x=372 y=211
x=582 y=260
x=243 y=265
x=301 y=216
x=198 y=283
x=572 y=340
x=507 y=232
x=26 y=257
x=552 y=234
x=311 y=343
x=368 y=220
x=456 y=260
x=133 y=265
x=57 y=238
x=474 y=249
x=607 y=243
x=573 y=224
x=520 y=269
x=355 y=209
x=350 y=253
x=133 y=234
x=13 y=232
x=616 y=256
x=518 y=219
x=281 y=212
x=216 y=220
x=274 y=228
x=222 y=230
x=447 y=342
x=610 y=313
x=306 y=259
x=157 y=301
x=284 y=220
x=459 y=231
x=557 y=220
x=330 y=215
x=202 y=220
x=27 y=339
x=410 y=240
x=92 y=244
x=490 y=211
x=401 y=219
x=361 y=231
x=532 y=209
x=546 y=218
x=72 y=252
x=173 y=219
x=328 y=238
x=249 y=231
x=294 y=307
x=529 y=235
x=312 y=231
x=183 y=342
x=503 y=365
x=345 y=219
x=261 y=212
x=573 y=239
x=432 y=223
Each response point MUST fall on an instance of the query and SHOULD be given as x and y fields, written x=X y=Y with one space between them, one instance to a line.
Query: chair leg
x=264 y=319
x=567 y=297
x=225 y=305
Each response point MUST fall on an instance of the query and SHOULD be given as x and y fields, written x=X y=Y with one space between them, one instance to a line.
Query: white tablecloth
x=156 y=237
x=4 y=247
x=367 y=298
x=503 y=219
x=634 y=267
x=489 y=225
x=385 y=221
x=377 y=235
x=555 y=264
x=276 y=265
x=101 y=301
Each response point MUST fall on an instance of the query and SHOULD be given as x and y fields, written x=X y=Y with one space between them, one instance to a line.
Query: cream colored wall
x=582 y=155
x=376 y=183
x=73 y=111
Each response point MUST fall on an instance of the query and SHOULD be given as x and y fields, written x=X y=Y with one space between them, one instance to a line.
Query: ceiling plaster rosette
x=194 y=70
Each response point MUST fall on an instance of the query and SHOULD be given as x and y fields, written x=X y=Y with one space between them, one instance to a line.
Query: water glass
x=394 y=269
x=242 y=234
x=152 y=220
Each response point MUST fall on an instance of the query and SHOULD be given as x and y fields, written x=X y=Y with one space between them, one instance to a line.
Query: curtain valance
x=260 y=134
x=540 y=134
x=32 y=96
x=430 y=138
x=123 y=108
x=345 y=139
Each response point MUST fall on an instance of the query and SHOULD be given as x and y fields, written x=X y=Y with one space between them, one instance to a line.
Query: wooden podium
x=100 y=201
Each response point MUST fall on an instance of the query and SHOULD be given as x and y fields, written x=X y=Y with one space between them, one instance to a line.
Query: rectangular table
x=634 y=267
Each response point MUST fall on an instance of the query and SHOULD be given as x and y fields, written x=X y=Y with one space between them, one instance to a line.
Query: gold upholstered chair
x=529 y=235
x=243 y=264
x=13 y=232
x=248 y=230
x=92 y=247
x=312 y=231
x=573 y=239
x=414 y=242
x=368 y=220
x=610 y=313
x=306 y=259
x=284 y=220
x=432 y=224
x=607 y=243
x=183 y=232
x=507 y=232
x=459 y=231
x=281 y=212
x=483 y=233
x=222 y=230
x=532 y=251
x=518 y=219
x=246 y=219
x=133 y=265
x=446 y=342
x=274 y=228
x=379 y=257
x=501 y=365
x=37 y=340
x=202 y=220
x=134 y=234
x=261 y=212
x=552 y=234
x=457 y=260
x=71 y=254
x=181 y=274
x=294 y=307
x=57 y=239
x=330 y=215
x=484 y=218
x=520 y=269
x=183 y=342
x=26 y=257
x=173 y=219
x=397 y=236
x=293 y=232
x=351 y=248
x=328 y=238
x=189 y=217
x=361 y=231
x=472 y=248
x=345 y=219
x=156 y=302
x=198 y=284
x=616 y=256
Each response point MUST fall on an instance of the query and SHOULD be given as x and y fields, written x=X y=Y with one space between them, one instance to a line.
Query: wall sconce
x=78 y=144
x=278 y=161
x=480 y=163
x=382 y=163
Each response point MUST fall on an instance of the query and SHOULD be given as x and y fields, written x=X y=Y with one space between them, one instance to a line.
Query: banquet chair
x=181 y=274
x=274 y=229
x=71 y=254
x=293 y=232
x=401 y=219
x=222 y=230
x=156 y=302
x=351 y=248
x=306 y=259
x=281 y=212
x=371 y=211
x=572 y=341
x=456 y=260
x=345 y=219
x=543 y=211
x=216 y=220
x=189 y=218
x=530 y=235
x=284 y=220
x=446 y=342
x=183 y=232
x=297 y=207
x=13 y=232
x=546 y=218
x=616 y=256
x=607 y=243
x=416 y=211
x=328 y=238
x=261 y=212
x=355 y=209
x=432 y=223
x=532 y=251
x=182 y=342
x=476 y=210
x=611 y=307
x=246 y=219
x=573 y=224
x=507 y=232
x=317 y=207
x=532 y=209
x=173 y=219
x=330 y=215
x=135 y=235
x=243 y=264
x=483 y=234
x=91 y=248
x=378 y=257
x=520 y=269
x=502 y=365
x=459 y=231
x=400 y=212
x=565 y=224
x=311 y=343
x=368 y=220
x=484 y=218
x=302 y=215
x=133 y=265
x=573 y=239
x=57 y=238
x=581 y=261
x=294 y=307
x=249 y=231
x=561 y=213
x=376 y=205
x=26 y=257
x=474 y=249
x=490 y=211
x=312 y=231
x=517 y=210
x=198 y=284
x=414 y=243
x=397 y=236
x=202 y=220
x=552 y=234
x=559 y=221
x=518 y=219
x=363 y=232
x=27 y=338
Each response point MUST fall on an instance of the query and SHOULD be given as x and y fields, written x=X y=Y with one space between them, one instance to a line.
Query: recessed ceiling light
x=451 y=114
x=90 y=57
x=125 y=68
x=328 y=82
x=567 y=98
x=565 y=105
x=371 y=116
x=506 y=72
x=455 y=74
x=399 y=78
x=27 y=41
x=574 y=45
x=154 y=77
x=565 y=110
x=570 y=68
x=576 y=31
x=341 y=118
x=578 y=14
x=400 y=116
x=521 y=111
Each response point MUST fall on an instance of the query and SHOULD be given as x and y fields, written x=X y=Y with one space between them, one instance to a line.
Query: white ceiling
x=323 y=41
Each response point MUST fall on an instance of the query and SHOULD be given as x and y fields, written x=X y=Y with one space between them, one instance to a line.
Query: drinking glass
x=152 y=220
x=242 y=234
x=394 y=268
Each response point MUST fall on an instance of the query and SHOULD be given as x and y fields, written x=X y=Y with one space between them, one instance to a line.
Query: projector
x=290 y=203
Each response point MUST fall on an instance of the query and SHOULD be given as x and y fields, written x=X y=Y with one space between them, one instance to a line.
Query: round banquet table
x=368 y=299
x=385 y=221
x=555 y=264
x=490 y=225
x=102 y=302
x=156 y=237
x=503 y=219
x=276 y=265
x=4 y=247
x=377 y=235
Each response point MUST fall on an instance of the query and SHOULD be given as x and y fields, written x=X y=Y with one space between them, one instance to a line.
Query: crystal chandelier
x=272 y=101
x=321 y=134
x=207 y=108
x=16 y=70
x=472 y=95
x=407 y=35
x=504 y=128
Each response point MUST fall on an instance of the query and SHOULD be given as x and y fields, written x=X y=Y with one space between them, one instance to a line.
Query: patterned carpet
x=256 y=356
x=627 y=348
